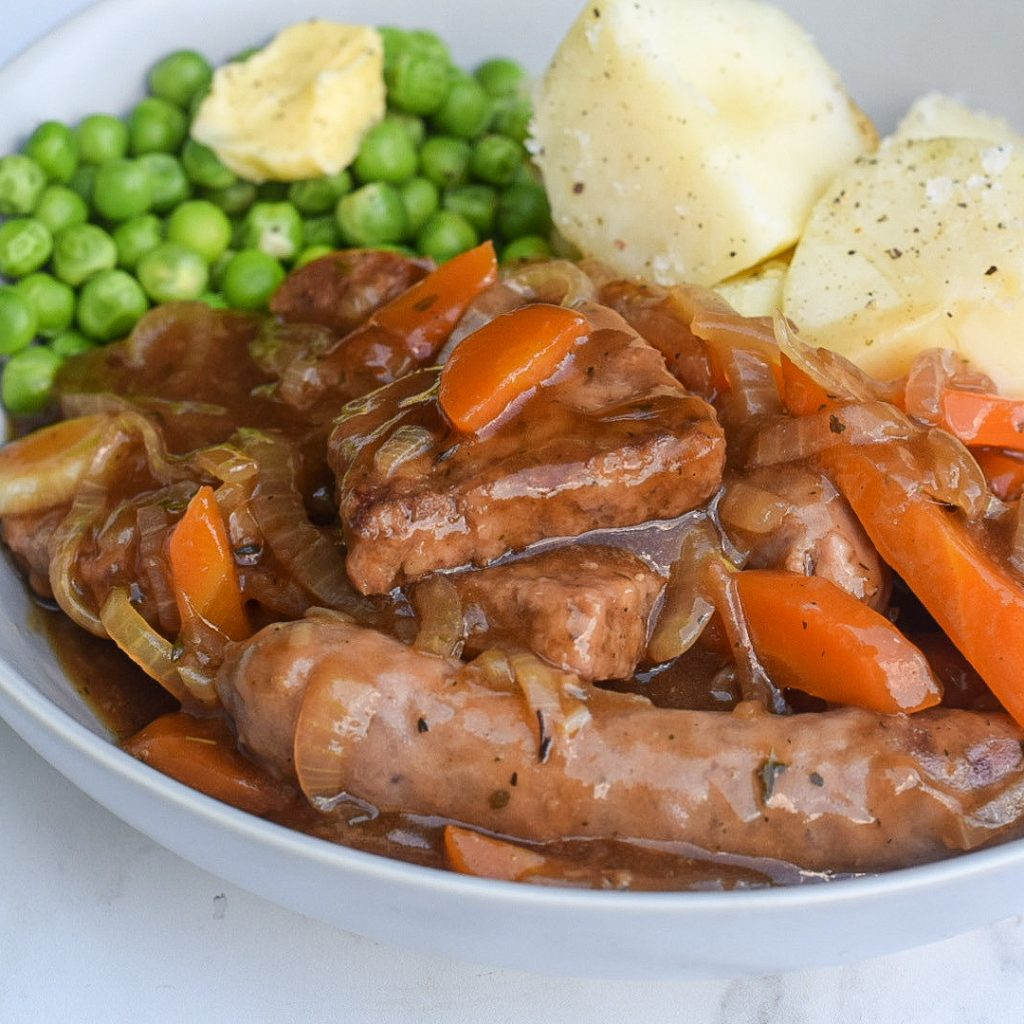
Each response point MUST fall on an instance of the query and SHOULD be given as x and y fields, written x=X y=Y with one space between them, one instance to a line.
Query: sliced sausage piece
x=614 y=441
x=584 y=609
x=840 y=791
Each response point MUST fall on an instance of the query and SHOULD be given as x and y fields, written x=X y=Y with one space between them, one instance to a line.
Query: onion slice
x=144 y=645
x=439 y=607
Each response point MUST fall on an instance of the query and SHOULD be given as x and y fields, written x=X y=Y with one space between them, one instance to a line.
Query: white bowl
x=888 y=54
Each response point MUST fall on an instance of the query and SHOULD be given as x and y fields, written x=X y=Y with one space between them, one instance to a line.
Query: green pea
x=235 y=199
x=310 y=253
x=22 y=181
x=123 y=189
x=386 y=154
x=83 y=182
x=372 y=214
x=501 y=77
x=523 y=210
x=18 y=322
x=445 y=235
x=412 y=125
x=445 y=160
x=219 y=265
x=214 y=300
x=421 y=198
x=168 y=179
x=477 y=203
x=275 y=228
x=70 y=343
x=250 y=278
x=201 y=226
x=28 y=377
x=321 y=231
x=52 y=146
x=52 y=302
x=135 y=237
x=512 y=116
x=396 y=42
x=110 y=305
x=313 y=196
x=429 y=44
x=156 y=126
x=179 y=76
x=204 y=167
x=173 y=273
x=81 y=251
x=529 y=247
x=25 y=245
x=495 y=159
x=100 y=138
x=417 y=83
x=60 y=207
x=466 y=111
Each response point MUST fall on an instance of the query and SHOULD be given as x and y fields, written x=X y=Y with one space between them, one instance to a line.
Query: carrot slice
x=814 y=636
x=511 y=355
x=983 y=419
x=978 y=603
x=801 y=393
x=202 y=753
x=203 y=568
x=426 y=313
x=473 y=853
x=1003 y=470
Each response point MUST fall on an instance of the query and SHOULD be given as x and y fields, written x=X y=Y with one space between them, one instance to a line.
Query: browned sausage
x=840 y=791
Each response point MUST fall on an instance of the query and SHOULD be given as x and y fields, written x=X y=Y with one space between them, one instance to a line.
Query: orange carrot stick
x=812 y=635
x=801 y=393
x=473 y=853
x=982 y=419
x=202 y=753
x=426 y=313
x=978 y=603
x=506 y=358
x=1003 y=470
x=203 y=568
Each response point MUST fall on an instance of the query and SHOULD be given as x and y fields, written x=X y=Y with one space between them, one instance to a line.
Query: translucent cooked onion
x=407 y=442
x=725 y=330
x=153 y=526
x=312 y=557
x=439 y=608
x=335 y=710
x=932 y=371
x=752 y=509
x=144 y=645
x=558 y=282
x=840 y=378
x=801 y=437
x=687 y=606
x=43 y=470
x=554 y=698
x=753 y=391
x=953 y=476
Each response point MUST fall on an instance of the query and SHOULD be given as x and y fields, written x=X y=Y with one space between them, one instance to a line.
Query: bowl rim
x=20 y=699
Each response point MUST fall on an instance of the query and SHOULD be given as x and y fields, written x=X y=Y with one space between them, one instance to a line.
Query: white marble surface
x=99 y=925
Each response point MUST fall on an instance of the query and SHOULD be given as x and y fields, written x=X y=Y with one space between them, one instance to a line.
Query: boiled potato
x=686 y=140
x=758 y=291
x=919 y=246
x=935 y=116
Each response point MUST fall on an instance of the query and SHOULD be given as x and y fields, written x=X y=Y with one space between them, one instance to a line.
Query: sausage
x=840 y=791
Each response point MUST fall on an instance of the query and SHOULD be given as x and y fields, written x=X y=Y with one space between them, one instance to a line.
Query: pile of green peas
x=104 y=219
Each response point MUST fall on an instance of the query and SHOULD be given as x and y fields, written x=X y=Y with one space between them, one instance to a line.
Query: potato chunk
x=918 y=247
x=687 y=140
